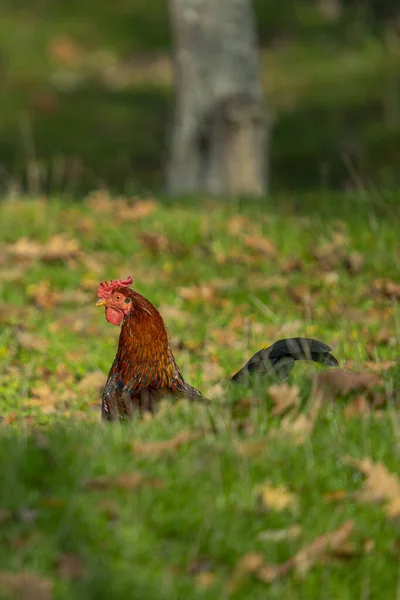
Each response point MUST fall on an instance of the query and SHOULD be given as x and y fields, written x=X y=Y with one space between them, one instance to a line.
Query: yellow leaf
x=380 y=484
x=276 y=498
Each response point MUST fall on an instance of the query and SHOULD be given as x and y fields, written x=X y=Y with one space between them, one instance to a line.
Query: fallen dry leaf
x=204 y=292
x=339 y=381
x=59 y=247
x=250 y=447
x=4 y=515
x=276 y=498
x=25 y=585
x=69 y=566
x=279 y=535
x=139 y=210
x=65 y=50
x=123 y=481
x=359 y=406
x=292 y=264
x=43 y=295
x=380 y=484
x=26 y=249
x=204 y=580
x=15 y=274
x=317 y=551
x=379 y=367
x=30 y=341
x=43 y=397
x=212 y=371
x=298 y=427
x=226 y=337
x=386 y=288
x=165 y=446
x=354 y=262
x=260 y=244
x=335 y=495
x=335 y=543
x=249 y=564
x=156 y=243
x=92 y=382
x=284 y=397
x=239 y=224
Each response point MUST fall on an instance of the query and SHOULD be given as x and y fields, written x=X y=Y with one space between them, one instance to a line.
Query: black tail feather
x=279 y=358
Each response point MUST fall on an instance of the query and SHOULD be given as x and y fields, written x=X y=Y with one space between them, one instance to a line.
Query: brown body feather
x=144 y=368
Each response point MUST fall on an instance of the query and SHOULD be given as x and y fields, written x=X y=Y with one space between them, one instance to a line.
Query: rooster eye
x=118 y=297
x=127 y=300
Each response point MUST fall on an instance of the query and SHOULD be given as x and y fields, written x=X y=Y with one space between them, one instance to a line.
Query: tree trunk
x=218 y=138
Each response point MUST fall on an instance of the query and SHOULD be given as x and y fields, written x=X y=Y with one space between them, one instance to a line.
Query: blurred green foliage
x=87 y=93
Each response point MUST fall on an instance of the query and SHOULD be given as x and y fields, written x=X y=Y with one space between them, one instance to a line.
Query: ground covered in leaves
x=289 y=491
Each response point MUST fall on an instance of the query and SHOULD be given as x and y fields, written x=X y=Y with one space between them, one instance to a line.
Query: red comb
x=106 y=288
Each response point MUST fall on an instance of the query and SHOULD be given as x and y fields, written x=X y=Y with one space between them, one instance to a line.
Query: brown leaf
x=359 y=406
x=386 y=288
x=335 y=495
x=43 y=397
x=166 y=446
x=59 y=247
x=26 y=249
x=44 y=296
x=284 y=397
x=378 y=367
x=292 y=265
x=69 y=566
x=328 y=255
x=249 y=564
x=212 y=371
x=93 y=382
x=15 y=274
x=339 y=381
x=276 y=498
x=30 y=341
x=301 y=294
x=123 y=481
x=250 y=447
x=25 y=585
x=239 y=224
x=279 y=535
x=204 y=292
x=354 y=262
x=225 y=337
x=260 y=244
x=204 y=580
x=317 y=551
x=380 y=484
x=157 y=243
x=64 y=50
x=139 y=210
x=299 y=427
x=4 y=515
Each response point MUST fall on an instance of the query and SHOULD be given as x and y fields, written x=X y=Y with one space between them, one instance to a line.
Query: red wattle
x=113 y=316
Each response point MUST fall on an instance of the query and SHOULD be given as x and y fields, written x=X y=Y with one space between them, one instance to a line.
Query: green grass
x=88 y=94
x=196 y=512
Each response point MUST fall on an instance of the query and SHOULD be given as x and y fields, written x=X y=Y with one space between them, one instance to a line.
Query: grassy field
x=290 y=491
x=88 y=94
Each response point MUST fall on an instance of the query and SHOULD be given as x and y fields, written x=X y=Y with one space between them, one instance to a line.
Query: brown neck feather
x=144 y=357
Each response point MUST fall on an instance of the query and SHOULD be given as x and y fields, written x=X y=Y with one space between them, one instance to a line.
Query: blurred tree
x=219 y=132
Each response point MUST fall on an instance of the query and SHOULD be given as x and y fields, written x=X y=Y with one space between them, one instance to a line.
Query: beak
x=101 y=303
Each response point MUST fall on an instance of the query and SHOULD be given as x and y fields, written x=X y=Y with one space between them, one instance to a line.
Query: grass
x=88 y=95
x=94 y=516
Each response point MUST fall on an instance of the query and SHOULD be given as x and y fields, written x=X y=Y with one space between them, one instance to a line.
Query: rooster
x=144 y=368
